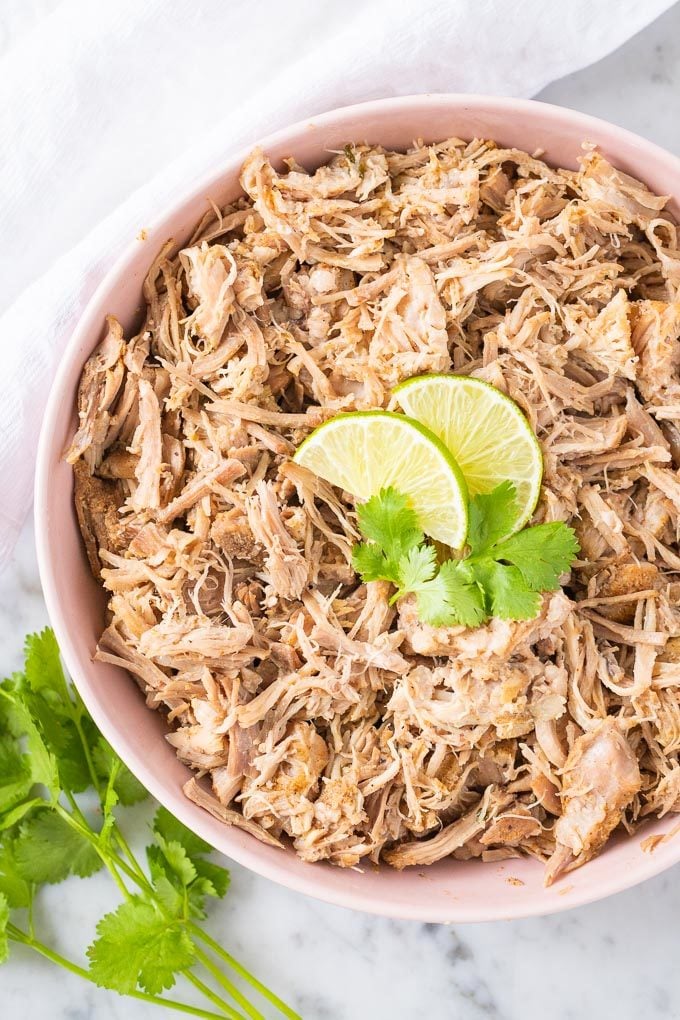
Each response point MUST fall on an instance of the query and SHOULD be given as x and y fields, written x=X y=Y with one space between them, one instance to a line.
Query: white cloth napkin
x=108 y=110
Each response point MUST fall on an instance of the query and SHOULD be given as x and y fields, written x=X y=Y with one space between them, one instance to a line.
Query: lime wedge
x=365 y=451
x=485 y=431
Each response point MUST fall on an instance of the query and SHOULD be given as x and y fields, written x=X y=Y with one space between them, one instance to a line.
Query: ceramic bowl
x=444 y=892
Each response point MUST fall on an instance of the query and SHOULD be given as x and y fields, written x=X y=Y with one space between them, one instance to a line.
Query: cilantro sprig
x=501 y=575
x=54 y=766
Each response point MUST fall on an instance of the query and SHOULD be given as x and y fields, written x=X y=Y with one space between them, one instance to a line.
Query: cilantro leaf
x=73 y=766
x=389 y=521
x=212 y=881
x=211 y=875
x=463 y=593
x=170 y=898
x=450 y=598
x=43 y=764
x=127 y=786
x=107 y=829
x=502 y=575
x=13 y=887
x=170 y=828
x=514 y=568
x=42 y=666
x=56 y=709
x=177 y=859
x=15 y=814
x=34 y=707
x=433 y=606
x=417 y=567
x=49 y=850
x=10 y=716
x=197 y=894
x=59 y=735
x=15 y=773
x=158 y=866
x=4 y=919
x=492 y=516
x=445 y=597
x=540 y=553
x=371 y=564
x=175 y=892
x=506 y=592
x=137 y=946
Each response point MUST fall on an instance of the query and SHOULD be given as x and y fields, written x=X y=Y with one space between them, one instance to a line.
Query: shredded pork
x=315 y=712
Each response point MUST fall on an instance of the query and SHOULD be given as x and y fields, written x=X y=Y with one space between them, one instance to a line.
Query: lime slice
x=485 y=431
x=365 y=451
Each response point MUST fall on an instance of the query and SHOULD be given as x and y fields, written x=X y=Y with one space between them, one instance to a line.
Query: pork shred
x=315 y=713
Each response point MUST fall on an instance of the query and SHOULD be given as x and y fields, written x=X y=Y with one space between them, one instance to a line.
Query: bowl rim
x=615 y=880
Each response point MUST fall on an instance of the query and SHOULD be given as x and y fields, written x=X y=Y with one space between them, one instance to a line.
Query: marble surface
x=611 y=959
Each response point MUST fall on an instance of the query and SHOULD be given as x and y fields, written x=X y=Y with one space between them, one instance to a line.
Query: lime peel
x=363 y=452
x=485 y=430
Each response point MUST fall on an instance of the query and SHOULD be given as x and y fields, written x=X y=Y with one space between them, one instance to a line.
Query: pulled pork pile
x=317 y=711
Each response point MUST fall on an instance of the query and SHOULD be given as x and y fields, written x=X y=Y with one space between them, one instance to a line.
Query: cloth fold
x=110 y=111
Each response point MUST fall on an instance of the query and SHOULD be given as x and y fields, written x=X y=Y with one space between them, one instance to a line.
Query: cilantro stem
x=136 y=872
x=86 y=832
x=76 y=707
x=120 y=838
x=31 y=919
x=77 y=821
x=16 y=935
x=228 y=985
x=241 y=970
x=213 y=996
x=86 y=751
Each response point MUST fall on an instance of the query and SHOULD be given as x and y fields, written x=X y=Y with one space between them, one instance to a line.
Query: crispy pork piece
x=98 y=502
x=599 y=780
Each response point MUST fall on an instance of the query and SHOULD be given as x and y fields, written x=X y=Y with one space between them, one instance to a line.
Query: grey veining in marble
x=611 y=959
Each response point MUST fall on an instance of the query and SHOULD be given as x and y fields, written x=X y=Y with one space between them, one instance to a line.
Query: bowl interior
x=449 y=890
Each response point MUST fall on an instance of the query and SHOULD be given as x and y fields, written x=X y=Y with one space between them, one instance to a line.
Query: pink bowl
x=449 y=890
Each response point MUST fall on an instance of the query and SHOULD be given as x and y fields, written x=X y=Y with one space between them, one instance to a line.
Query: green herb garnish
x=502 y=574
x=53 y=765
